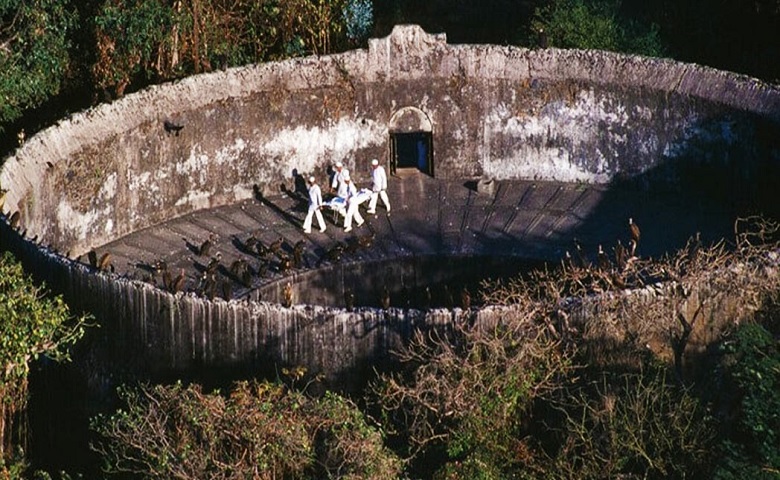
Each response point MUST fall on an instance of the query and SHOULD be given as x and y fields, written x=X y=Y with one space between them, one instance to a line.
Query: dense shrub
x=259 y=430
x=594 y=25
x=33 y=324
x=34 y=53
x=750 y=400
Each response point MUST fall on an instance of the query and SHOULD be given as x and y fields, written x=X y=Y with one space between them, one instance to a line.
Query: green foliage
x=359 y=19
x=129 y=36
x=260 y=430
x=33 y=324
x=153 y=40
x=594 y=24
x=751 y=366
x=34 y=53
x=470 y=393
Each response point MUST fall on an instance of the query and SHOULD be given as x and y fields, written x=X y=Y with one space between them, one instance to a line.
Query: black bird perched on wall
x=250 y=243
x=276 y=246
x=287 y=293
x=167 y=278
x=298 y=254
x=213 y=265
x=262 y=268
x=238 y=267
x=205 y=279
x=582 y=262
x=261 y=249
x=568 y=262
x=177 y=285
x=447 y=299
x=349 y=299
x=384 y=298
x=172 y=128
x=633 y=229
x=426 y=298
x=15 y=219
x=227 y=289
x=465 y=298
x=93 y=258
x=620 y=256
x=105 y=262
x=241 y=270
x=285 y=264
x=205 y=248
x=543 y=41
x=603 y=260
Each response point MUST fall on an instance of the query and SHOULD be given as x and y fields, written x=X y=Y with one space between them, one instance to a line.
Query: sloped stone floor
x=535 y=220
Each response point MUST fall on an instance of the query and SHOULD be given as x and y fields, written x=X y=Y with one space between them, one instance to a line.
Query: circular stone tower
x=497 y=154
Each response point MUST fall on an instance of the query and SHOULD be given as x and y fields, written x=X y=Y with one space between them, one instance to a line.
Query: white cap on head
x=312 y=179
x=375 y=162
x=339 y=164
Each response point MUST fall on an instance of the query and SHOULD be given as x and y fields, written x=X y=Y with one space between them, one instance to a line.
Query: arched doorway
x=411 y=141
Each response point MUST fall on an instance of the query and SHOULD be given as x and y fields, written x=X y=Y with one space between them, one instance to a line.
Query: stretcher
x=339 y=204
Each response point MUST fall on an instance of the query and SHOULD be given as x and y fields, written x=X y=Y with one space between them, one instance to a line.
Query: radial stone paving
x=528 y=219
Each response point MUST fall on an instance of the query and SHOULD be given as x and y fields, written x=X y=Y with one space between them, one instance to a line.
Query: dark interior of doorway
x=412 y=150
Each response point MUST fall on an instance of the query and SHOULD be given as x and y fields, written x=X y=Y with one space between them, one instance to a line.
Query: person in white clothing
x=353 y=202
x=315 y=206
x=338 y=186
x=379 y=187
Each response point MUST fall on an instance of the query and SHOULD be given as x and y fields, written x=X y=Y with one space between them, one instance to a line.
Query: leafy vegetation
x=34 y=324
x=514 y=399
x=594 y=25
x=540 y=395
x=34 y=54
x=260 y=430
x=750 y=367
x=142 y=42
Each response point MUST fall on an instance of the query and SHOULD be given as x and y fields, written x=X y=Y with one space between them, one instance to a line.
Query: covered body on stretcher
x=339 y=204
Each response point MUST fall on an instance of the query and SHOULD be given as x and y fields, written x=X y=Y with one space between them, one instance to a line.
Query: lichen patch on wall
x=306 y=149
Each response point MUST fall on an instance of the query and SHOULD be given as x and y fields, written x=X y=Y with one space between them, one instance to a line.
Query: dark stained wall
x=498 y=112
x=495 y=112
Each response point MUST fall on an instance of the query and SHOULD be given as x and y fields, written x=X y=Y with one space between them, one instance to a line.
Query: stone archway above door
x=410 y=119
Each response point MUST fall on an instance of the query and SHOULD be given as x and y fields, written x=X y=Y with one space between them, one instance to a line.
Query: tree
x=593 y=24
x=582 y=377
x=34 y=324
x=259 y=430
x=148 y=41
x=750 y=372
x=34 y=53
x=359 y=19
x=470 y=392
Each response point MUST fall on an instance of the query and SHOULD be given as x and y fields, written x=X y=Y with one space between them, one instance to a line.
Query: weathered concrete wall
x=500 y=112
x=151 y=332
x=154 y=333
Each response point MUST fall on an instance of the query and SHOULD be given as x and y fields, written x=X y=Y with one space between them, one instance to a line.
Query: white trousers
x=310 y=214
x=352 y=211
x=375 y=196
